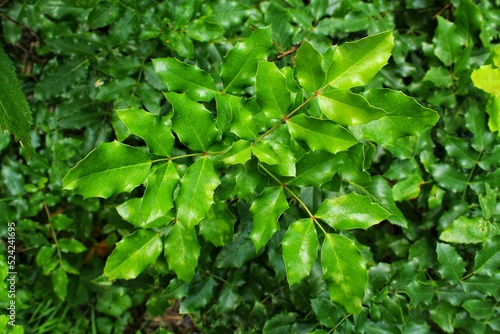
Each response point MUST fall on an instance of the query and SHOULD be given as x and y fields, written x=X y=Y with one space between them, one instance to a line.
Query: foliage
x=259 y=164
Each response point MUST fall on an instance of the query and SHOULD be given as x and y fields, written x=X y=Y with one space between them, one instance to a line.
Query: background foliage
x=432 y=265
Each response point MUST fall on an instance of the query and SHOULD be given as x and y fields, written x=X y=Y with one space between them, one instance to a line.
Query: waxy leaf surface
x=182 y=251
x=109 y=169
x=272 y=94
x=308 y=67
x=451 y=265
x=487 y=260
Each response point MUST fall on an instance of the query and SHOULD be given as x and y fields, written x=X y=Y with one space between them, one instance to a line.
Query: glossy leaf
x=320 y=134
x=449 y=177
x=180 y=77
x=280 y=323
x=196 y=192
x=346 y=108
x=265 y=153
x=351 y=211
x=240 y=64
x=149 y=127
x=300 y=248
x=239 y=153
x=451 y=265
x=192 y=122
x=218 y=225
x=182 y=251
x=466 y=231
x=344 y=272
x=308 y=69
x=314 y=169
x=272 y=93
x=133 y=254
x=109 y=169
x=487 y=78
x=487 y=260
x=447 y=43
x=266 y=209
x=236 y=116
x=356 y=63
x=15 y=114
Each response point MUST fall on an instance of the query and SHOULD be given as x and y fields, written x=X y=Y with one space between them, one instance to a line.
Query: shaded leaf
x=200 y=294
x=487 y=260
x=218 y=225
x=280 y=324
x=60 y=283
x=451 y=265
x=447 y=43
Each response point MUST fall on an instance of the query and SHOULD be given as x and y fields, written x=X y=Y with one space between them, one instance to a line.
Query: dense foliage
x=276 y=167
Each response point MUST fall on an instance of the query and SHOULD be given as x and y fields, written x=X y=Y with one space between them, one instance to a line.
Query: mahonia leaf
x=218 y=225
x=487 y=78
x=449 y=177
x=153 y=208
x=109 y=169
x=240 y=64
x=451 y=265
x=405 y=117
x=149 y=127
x=308 y=67
x=133 y=254
x=182 y=251
x=320 y=134
x=272 y=94
x=280 y=323
x=351 y=211
x=183 y=78
x=487 y=260
x=265 y=153
x=420 y=292
x=196 y=192
x=15 y=114
x=286 y=165
x=200 y=294
x=466 y=231
x=239 y=153
x=300 y=248
x=448 y=44
x=314 y=169
x=60 y=283
x=192 y=122
x=61 y=78
x=407 y=188
x=356 y=63
x=480 y=309
x=204 y=30
x=266 y=209
x=344 y=272
x=234 y=115
x=346 y=108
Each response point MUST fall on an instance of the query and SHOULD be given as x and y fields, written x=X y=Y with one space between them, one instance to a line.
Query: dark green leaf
x=218 y=225
x=199 y=296
x=487 y=260
x=447 y=43
x=280 y=324
x=103 y=14
x=451 y=265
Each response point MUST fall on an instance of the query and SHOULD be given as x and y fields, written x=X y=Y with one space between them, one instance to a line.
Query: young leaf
x=15 y=114
x=308 y=67
x=196 y=192
x=182 y=251
x=192 y=122
x=149 y=127
x=272 y=94
x=240 y=64
x=487 y=260
x=351 y=211
x=183 y=78
x=346 y=108
x=266 y=209
x=300 y=248
x=356 y=63
x=320 y=134
x=133 y=254
x=466 y=231
x=109 y=169
x=451 y=265
x=344 y=272
x=487 y=78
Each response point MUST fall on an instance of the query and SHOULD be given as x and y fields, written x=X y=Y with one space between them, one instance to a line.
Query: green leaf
x=356 y=63
x=149 y=127
x=61 y=78
x=488 y=285
x=272 y=93
x=240 y=64
x=182 y=251
x=466 y=231
x=15 y=114
x=405 y=117
x=266 y=209
x=71 y=246
x=286 y=165
x=280 y=324
x=480 y=309
x=451 y=265
x=493 y=111
x=60 y=283
x=351 y=211
x=308 y=68
x=265 y=153
x=420 y=292
x=109 y=169
x=440 y=76
x=487 y=260
x=196 y=192
x=192 y=122
x=200 y=294
x=346 y=108
x=487 y=78
x=235 y=114
x=344 y=272
x=314 y=169
x=448 y=44
x=300 y=248
x=449 y=177
x=103 y=14
x=153 y=207
x=407 y=188
x=328 y=314
x=320 y=134
x=180 y=77
x=218 y=225
x=133 y=254
x=204 y=30
x=239 y=153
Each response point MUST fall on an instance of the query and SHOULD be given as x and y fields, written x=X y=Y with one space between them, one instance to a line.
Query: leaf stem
x=471 y=174
x=52 y=230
